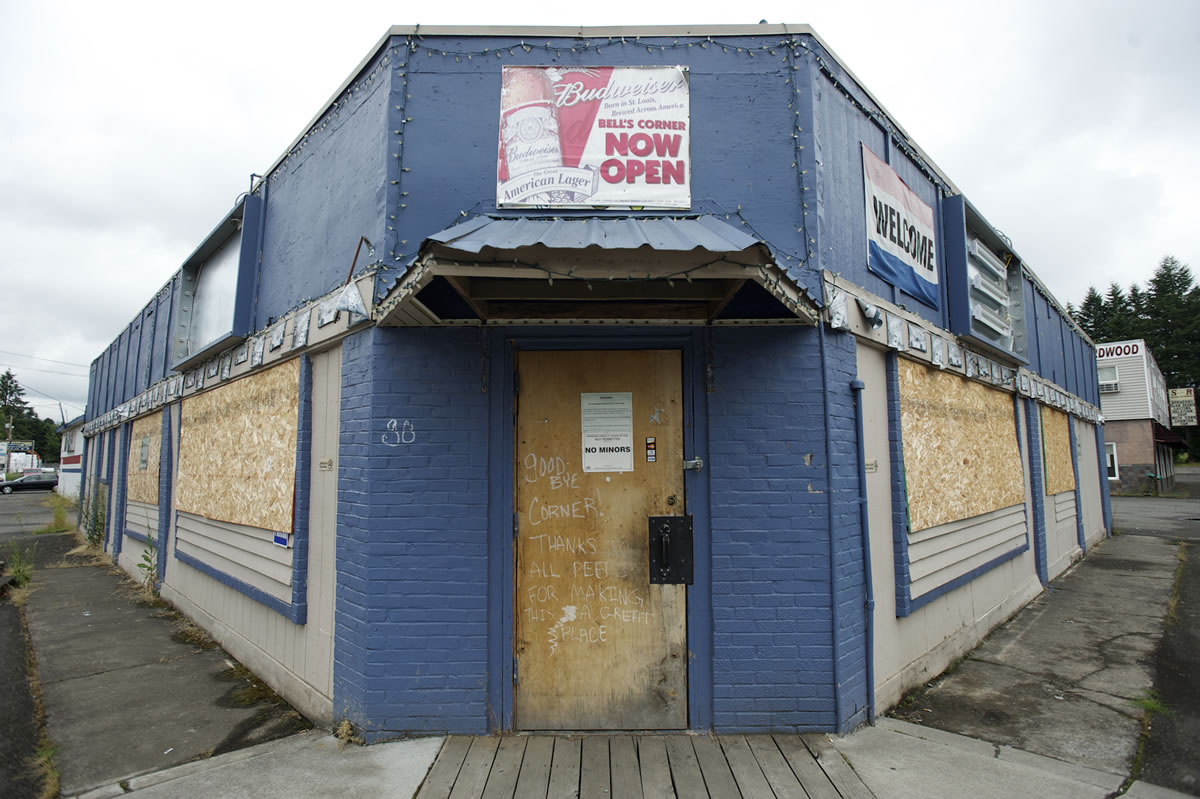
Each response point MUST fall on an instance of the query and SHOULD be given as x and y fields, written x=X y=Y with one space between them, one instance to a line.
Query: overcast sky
x=127 y=130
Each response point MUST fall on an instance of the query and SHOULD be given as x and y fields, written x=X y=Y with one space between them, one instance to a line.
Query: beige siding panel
x=141 y=518
x=257 y=544
x=237 y=450
x=939 y=578
x=322 y=526
x=911 y=650
x=1089 y=480
x=1056 y=451
x=244 y=628
x=146 y=438
x=961 y=457
x=961 y=546
x=1064 y=510
x=296 y=660
x=1062 y=535
x=245 y=554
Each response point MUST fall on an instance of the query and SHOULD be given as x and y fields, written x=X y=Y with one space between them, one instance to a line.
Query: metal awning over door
x=505 y=270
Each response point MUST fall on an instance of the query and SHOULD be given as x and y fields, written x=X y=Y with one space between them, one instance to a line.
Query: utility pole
x=8 y=448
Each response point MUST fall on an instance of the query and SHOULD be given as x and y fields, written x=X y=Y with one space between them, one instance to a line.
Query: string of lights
x=792 y=52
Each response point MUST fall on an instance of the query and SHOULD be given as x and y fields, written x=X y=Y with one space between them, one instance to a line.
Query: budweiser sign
x=591 y=137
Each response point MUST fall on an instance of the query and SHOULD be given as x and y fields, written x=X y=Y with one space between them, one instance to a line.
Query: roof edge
x=585 y=31
x=538 y=30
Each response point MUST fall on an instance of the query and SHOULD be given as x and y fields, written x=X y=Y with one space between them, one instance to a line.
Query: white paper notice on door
x=606 y=420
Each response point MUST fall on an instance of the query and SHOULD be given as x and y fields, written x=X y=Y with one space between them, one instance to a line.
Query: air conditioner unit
x=1110 y=388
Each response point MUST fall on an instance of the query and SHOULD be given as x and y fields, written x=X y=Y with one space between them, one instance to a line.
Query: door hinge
x=516 y=516
x=514 y=671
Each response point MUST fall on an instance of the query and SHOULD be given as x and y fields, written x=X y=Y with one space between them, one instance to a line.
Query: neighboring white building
x=1138 y=439
x=70 y=457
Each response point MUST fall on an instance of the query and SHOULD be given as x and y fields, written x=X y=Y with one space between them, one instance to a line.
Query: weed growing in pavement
x=1151 y=702
x=44 y=762
x=347 y=734
x=60 y=505
x=1173 y=602
x=189 y=633
x=149 y=566
x=92 y=522
x=20 y=566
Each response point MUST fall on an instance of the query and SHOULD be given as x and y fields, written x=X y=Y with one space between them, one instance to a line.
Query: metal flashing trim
x=600 y=31
x=667 y=233
x=136 y=536
x=177 y=386
x=701 y=247
x=293 y=613
x=1006 y=374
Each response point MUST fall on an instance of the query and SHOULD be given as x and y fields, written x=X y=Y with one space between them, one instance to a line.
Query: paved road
x=20 y=515
x=1172 y=752
x=1176 y=516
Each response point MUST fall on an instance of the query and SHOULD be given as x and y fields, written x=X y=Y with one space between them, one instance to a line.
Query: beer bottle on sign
x=529 y=128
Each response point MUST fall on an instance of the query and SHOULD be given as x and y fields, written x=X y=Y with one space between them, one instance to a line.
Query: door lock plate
x=670 y=550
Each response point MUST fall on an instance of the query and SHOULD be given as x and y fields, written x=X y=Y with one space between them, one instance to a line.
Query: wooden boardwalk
x=641 y=766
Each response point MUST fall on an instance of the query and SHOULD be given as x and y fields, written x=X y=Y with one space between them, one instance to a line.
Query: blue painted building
x=599 y=379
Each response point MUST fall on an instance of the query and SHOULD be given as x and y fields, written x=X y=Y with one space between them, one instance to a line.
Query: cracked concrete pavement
x=1063 y=677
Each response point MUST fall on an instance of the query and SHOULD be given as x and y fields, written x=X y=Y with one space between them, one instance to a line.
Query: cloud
x=128 y=131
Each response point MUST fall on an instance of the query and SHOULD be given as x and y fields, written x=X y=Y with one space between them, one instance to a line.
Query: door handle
x=670 y=550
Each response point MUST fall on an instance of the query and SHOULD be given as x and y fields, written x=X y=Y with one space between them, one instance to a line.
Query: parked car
x=30 y=482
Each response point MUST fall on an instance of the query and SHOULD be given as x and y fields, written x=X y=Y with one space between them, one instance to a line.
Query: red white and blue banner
x=594 y=137
x=900 y=232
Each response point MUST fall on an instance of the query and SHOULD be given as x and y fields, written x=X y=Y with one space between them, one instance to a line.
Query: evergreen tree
x=1089 y=313
x=25 y=424
x=1116 y=320
x=12 y=396
x=1171 y=323
x=1166 y=315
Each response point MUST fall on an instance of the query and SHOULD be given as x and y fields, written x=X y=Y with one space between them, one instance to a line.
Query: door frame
x=500 y=346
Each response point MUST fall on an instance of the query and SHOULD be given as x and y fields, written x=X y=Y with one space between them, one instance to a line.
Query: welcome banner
x=590 y=137
x=900 y=232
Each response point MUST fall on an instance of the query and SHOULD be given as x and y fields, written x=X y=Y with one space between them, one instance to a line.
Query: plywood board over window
x=961 y=457
x=145 y=447
x=1056 y=451
x=237 y=450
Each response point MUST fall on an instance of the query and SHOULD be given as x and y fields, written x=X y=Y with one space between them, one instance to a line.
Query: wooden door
x=599 y=448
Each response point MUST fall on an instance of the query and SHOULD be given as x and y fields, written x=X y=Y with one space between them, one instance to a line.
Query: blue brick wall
x=1033 y=426
x=773 y=600
x=840 y=367
x=165 y=485
x=412 y=616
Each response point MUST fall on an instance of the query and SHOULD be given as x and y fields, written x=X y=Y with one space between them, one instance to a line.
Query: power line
x=28 y=387
x=22 y=367
x=51 y=360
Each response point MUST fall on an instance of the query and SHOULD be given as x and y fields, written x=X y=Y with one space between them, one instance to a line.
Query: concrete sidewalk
x=900 y=760
x=136 y=705
x=128 y=688
x=1050 y=704
x=310 y=764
